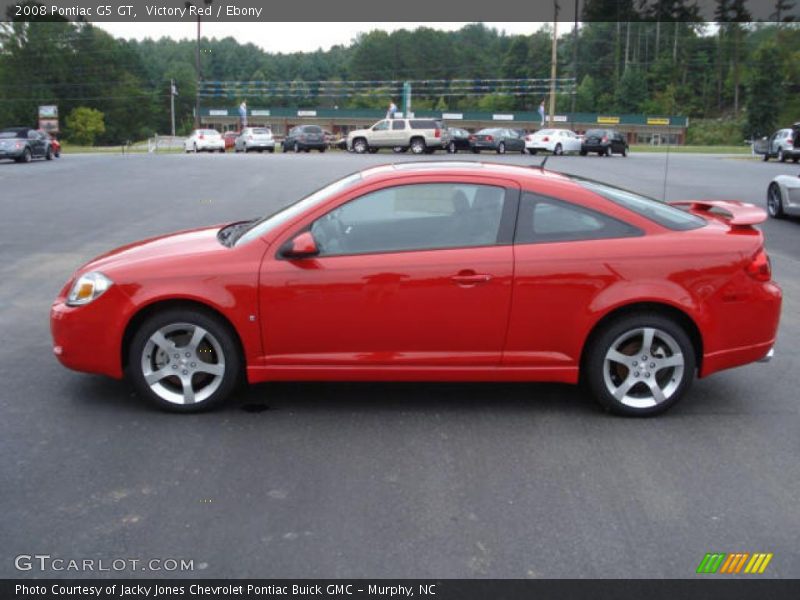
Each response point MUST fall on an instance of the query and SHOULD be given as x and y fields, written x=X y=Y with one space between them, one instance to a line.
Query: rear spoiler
x=741 y=214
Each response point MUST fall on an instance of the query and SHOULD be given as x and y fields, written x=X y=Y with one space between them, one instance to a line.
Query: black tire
x=222 y=150
x=636 y=379
x=140 y=353
x=451 y=148
x=418 y=146
x=476 y=151
x=775 y=201
x=26 y=156
x=558 y=150
x=501 y=148
x=322 y=149
x=271 y=150
x=766 y=156
x=781 y=155
x=296 y=147
x=373 y=150
x=360 y=145
x=532 y=151
x=58 y=155
x=48 y=154
x=624 y=152
x=583 y=152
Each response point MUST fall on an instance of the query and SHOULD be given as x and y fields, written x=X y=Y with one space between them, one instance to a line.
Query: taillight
x=605 y=139
x=760 y=268
x=202 y=137
x=545 y=139
x=249 y=137
x=472 y=138
x=437 y=133
x=789 y=141
x=489 y=138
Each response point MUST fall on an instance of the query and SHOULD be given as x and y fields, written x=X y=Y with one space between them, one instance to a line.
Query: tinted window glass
x=596 y=133
x=260 y=131
x=548 y=220
x=312 y=129
x=423 y=124
x=413 y=217
x=11 y=134
x=398 y=125
x=660 y=212
x=382 y=126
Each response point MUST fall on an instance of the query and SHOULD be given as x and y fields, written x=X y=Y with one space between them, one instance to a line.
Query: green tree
x=84 y=125
x=631 y=91
x=761 y=114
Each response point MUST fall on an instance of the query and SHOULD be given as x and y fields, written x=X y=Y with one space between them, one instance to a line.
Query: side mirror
x=302 y=245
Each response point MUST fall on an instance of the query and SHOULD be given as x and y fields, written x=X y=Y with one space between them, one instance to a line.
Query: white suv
x=421 y=136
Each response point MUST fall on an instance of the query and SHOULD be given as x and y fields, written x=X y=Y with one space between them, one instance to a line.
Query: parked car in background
x=204 y=140
x=255 y=138
x=459 y=140
x=305 y=138
x=55 y=145
x=783 y=196
x=230 y=139
x=434 y=272
x=498 y=139
x=557 y=141
x=784 y=145
x=421 y=136
x=605 y=142
x=23 y=144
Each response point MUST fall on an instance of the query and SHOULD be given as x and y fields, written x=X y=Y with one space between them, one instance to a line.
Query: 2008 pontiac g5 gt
x=434 y=272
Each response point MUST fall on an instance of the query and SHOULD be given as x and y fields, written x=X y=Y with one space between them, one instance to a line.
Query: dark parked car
x=305 y=138
x=605 y=142
x=23 y=144
x=499 y=140
x=459 y=140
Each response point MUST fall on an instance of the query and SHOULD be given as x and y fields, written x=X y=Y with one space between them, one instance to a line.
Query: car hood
x=179 y=245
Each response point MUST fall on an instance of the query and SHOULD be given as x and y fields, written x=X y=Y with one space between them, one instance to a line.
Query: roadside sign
x=48 y=118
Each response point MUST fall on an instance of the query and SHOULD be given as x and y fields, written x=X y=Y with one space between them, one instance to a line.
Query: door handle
x=471 y=278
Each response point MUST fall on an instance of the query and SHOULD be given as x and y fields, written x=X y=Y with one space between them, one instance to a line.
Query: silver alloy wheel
x=774 y=201
x=558 y=150
x=360 y=146
x=417 y=146
x=643 y=367
x=781 y=155
x=183 y=363
x=501 y=148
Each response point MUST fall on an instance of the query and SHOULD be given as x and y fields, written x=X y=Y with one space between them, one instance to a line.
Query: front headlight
x=87 y=288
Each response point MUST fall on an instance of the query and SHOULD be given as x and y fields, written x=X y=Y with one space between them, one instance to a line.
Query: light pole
x=554 y=63
x=197 y=65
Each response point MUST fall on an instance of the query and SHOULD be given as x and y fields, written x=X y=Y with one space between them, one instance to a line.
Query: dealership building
x=639 y=129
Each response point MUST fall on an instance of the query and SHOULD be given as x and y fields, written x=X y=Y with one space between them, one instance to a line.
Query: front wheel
x=640 y=365
x=558 y=150
x=774 y=201
x=501 y=148
x=532 y=151
x=451 y=148
x=360 y=146
x=296 y=147
x=184 y=360
x=48 y=154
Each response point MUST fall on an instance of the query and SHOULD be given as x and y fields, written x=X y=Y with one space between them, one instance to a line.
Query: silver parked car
x=254 y=138
x=783 y=196
x=783 y=144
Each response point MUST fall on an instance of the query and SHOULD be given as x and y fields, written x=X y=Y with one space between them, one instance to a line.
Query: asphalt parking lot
x=372 y=480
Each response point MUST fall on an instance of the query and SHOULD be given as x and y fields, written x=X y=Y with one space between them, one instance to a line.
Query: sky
x=283 y=37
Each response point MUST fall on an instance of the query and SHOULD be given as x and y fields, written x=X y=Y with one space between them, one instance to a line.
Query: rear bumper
x=256 y=144
x=12 y=155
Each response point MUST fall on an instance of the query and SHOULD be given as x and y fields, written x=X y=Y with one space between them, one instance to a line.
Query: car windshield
x=10 y=133
x=650 y=208
x=268 y=223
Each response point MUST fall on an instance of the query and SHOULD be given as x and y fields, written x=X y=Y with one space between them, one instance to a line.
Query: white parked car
x=557 y=141
x=208 y=140
x=783 y=196
x=254 y=138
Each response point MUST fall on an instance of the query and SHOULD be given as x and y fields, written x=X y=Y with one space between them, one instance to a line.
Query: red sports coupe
x=438 y=271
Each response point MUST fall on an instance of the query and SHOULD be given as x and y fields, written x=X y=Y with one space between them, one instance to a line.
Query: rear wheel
x=774 y=201
x=583 y=152
x=558 y=150
x=418 y=146
x=451 y=148
x=766 y=156
x=48 y=154
x=781 y=155
x=184 y=360
x=531 y=151
x=501 y=148
x=26 y=156
x=476 y=151
x=296 y=147
x=624 y=152
x=640 y=365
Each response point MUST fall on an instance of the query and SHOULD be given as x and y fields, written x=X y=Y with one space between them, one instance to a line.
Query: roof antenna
x=544 y=162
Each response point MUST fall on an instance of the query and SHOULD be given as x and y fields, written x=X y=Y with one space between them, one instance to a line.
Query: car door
x=415 y=274
x=381 y=134
x=571 y=142
x=35 y=143
x=397 y=135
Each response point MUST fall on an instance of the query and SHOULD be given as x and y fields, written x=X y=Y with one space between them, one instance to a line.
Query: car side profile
x=497 y=139
x=445 y=271
x=305 y=138
x=23 y=144
x=604 y=142
x=782 y=145
x=783 y=196
x=420 y=136
x=557 y=141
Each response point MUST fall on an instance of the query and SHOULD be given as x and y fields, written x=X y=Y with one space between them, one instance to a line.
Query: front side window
x=543 y=220
x=382 y=126
x=413 y=217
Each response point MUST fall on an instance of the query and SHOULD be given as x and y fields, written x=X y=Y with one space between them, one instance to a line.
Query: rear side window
x=542 y=220
x=423 y=124
x=398 y=125
x=654 y=210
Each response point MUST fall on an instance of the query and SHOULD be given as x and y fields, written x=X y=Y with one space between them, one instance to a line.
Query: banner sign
x=657 y=121
x=608 y=120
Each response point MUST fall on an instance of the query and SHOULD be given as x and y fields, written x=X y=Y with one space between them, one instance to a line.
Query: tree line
x=657 y=58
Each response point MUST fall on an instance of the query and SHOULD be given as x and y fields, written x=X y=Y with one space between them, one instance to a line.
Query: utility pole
x=172 y=93
x=575 y=56
x=197 y=65
x=554 y=64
